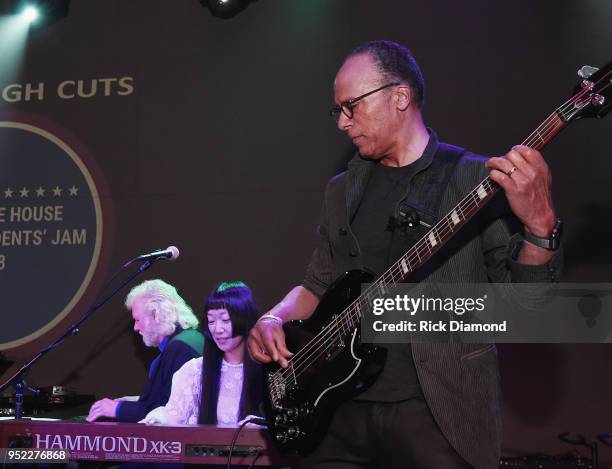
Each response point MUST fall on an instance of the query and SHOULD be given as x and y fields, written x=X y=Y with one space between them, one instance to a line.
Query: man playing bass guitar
x=433 y=405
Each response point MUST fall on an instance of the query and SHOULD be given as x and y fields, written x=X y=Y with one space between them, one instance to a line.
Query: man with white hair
x=164 y=320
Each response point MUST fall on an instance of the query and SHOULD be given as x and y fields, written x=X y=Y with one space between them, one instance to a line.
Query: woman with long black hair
x=225 y=385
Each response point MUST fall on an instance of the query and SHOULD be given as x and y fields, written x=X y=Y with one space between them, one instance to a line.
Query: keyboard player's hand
x=155 y=417
x=103 y=408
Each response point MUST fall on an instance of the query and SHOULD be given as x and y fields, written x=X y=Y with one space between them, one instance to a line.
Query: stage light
x=30 y=14
x=225 y=8
x=40 y=13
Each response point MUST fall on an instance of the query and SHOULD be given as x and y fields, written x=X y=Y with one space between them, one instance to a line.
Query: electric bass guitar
x=333 y=365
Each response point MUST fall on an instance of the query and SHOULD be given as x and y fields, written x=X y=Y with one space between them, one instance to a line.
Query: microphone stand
x=18 y=379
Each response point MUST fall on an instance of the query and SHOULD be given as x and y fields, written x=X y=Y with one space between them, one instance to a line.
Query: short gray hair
x=395 y=63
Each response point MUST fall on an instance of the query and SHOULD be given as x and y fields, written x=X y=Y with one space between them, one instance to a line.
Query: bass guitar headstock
x=592 y=96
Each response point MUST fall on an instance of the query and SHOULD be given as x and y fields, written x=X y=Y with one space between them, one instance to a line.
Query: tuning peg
x=598 y=100
x=586 y=71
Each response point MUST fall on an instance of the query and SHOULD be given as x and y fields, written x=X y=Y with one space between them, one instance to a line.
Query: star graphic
x=57 y=191
x=40 y=192
x=73 y=190
x=24 y=192
x=8 y=193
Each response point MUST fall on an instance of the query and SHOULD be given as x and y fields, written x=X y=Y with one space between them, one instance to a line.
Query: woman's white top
x=183 y=406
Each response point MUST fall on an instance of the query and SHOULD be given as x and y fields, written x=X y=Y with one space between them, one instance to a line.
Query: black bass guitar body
x=329 y=370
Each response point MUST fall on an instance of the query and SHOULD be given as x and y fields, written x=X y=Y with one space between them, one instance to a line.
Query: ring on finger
x=510 y=171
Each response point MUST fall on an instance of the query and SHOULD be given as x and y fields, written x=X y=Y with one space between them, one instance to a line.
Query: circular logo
x=50 y=231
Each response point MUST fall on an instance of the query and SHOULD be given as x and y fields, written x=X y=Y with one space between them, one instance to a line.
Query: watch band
x=552 y=242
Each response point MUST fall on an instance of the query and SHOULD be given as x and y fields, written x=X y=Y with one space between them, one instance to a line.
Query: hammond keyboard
x=133 y=442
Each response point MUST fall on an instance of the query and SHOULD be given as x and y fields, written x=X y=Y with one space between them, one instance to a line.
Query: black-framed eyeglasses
x=346 y=107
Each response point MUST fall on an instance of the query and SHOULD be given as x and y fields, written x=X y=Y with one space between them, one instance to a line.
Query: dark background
x=225 y=146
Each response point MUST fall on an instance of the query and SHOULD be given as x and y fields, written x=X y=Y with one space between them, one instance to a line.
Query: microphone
x=170 y=253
